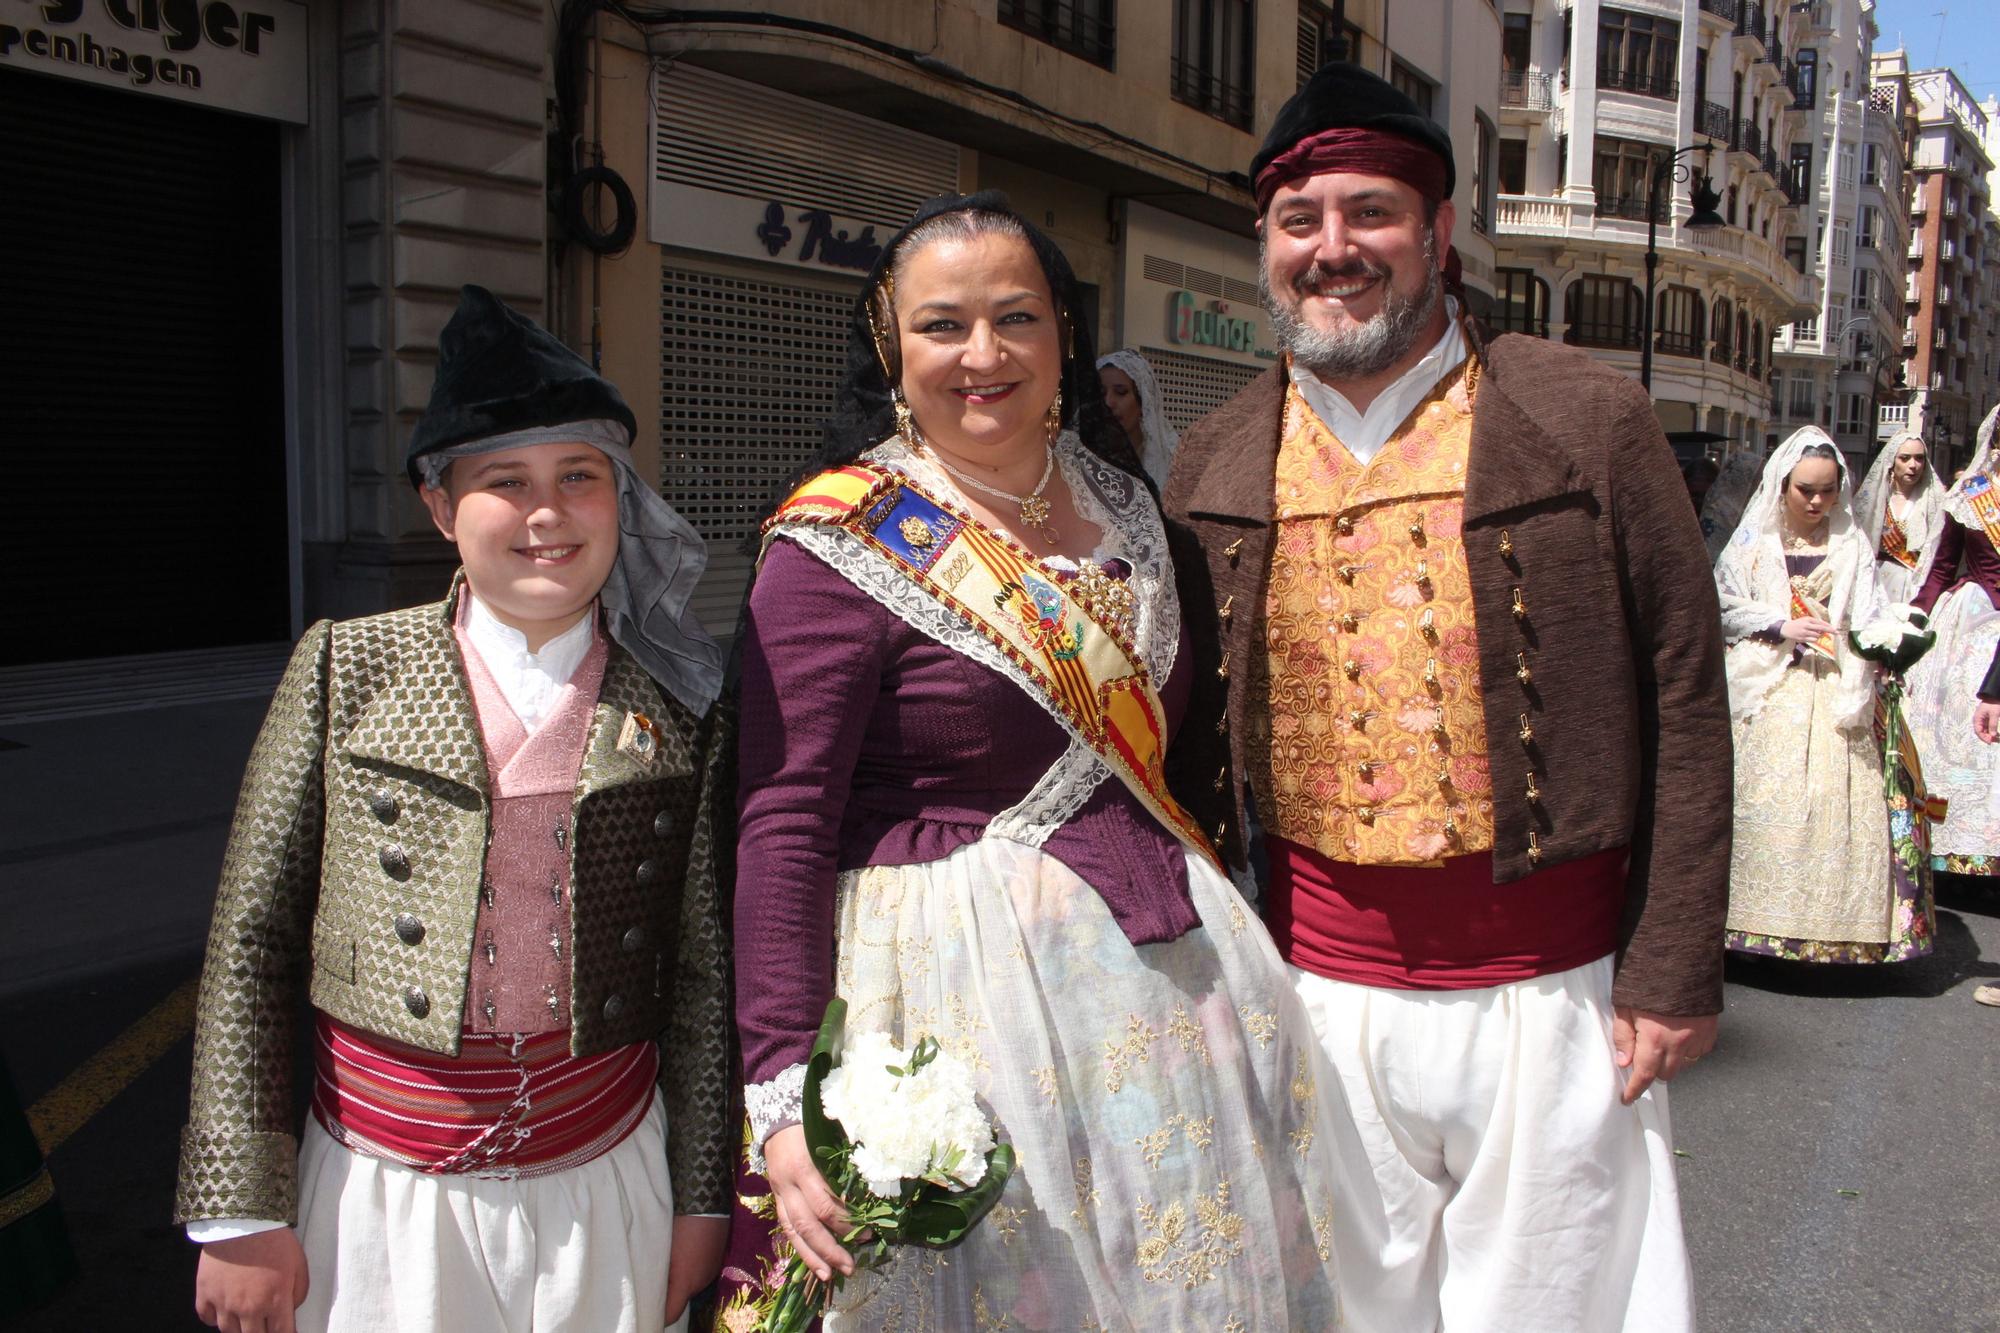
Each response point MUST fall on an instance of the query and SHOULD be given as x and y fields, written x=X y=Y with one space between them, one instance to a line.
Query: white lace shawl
x=1755 y=589
x=1955 y=502
x=1921 y=521
x=1158 y=439
x=1131 y=530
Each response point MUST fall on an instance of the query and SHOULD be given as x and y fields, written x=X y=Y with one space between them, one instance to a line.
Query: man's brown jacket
x=1572 y=498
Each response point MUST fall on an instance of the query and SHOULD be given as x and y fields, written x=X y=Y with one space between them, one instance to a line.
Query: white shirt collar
x=529 y=681
x=1364 y=433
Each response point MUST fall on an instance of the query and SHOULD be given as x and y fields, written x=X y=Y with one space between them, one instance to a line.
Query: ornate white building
x=1595 y=98
x=1836 y=368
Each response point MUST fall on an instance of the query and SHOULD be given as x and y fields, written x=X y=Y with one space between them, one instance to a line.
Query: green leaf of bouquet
x=942 y=1220
x=824 y=1137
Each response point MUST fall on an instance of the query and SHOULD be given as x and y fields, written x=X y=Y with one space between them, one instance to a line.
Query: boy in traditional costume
x=481 y=830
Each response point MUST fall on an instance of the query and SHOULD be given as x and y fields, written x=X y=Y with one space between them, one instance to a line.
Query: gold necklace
x=1034 y=506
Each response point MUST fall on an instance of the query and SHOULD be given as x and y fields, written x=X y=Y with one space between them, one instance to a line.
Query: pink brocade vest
x=520 y=946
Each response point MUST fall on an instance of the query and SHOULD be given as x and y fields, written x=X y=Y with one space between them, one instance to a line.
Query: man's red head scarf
x=1365 y=152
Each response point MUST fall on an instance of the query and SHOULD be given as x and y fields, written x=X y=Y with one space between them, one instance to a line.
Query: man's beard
x=1365 y=349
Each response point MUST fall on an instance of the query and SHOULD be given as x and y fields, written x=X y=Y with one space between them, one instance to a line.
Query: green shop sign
x=1212 y=327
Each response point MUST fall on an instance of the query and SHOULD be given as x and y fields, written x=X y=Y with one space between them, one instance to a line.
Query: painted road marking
x=68 y=1106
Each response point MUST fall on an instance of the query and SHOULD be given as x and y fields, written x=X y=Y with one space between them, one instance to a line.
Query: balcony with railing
x=1612 y=77
x=1722 y=9
x=1750 y=19
x=1711 y=121
x=1525 y=90
x=1745 y=137
x=1086 y=31
x=1630 y=207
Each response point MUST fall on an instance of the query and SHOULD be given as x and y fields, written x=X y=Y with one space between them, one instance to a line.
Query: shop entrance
x=142 y=418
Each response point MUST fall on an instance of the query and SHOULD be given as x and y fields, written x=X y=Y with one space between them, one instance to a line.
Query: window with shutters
x=1637 y=53
x=1316 y=46
x=1484 y=138
x=1520 y=303
x=1513 y=166
x=1602 y=312
x=1086 y=29
x=1622 y=175
x=1679 y=320
x=1214 y=58
x=1804 y=397
x=1414 y=86
x=1722 y=336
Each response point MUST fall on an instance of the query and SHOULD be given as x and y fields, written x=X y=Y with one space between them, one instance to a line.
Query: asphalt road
x=1841 y=1165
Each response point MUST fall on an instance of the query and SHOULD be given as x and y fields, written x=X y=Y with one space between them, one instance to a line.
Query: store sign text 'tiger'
x=245 y=57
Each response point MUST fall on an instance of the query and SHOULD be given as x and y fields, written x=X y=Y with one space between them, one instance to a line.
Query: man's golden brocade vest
x=1372 y=749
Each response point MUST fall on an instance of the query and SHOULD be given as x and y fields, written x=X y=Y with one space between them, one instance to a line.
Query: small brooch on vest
x=639 y=737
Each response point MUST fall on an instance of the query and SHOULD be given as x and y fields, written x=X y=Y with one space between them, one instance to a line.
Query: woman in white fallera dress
x=1823 y=868
x=1901 y=508
x=1132 y=396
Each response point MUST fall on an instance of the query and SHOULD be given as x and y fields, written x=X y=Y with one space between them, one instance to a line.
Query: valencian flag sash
x=1980 y=493
x=1896 y=542
x=1804 y=606
x=1068 y=636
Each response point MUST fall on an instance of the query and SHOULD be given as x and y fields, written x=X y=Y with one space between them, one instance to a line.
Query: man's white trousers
x=1516 y=1193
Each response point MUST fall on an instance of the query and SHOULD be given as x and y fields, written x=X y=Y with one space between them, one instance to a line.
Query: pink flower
x=1417 y=716
x=1428 y=843
x=1382 y=784
x=1445 y=520
x=1470 y=774
x=1361 y=539
x=1404 y=593
x=1459 y=646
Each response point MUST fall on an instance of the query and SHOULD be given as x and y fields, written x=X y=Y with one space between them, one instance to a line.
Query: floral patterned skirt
x=1943 y=692
x=1913 y=920
x=1183 y=1162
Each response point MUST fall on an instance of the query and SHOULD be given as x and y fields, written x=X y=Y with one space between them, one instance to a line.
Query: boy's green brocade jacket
x=356 y=855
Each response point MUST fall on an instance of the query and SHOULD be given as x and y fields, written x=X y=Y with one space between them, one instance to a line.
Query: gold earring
x=906 y=422
x=1055 y=415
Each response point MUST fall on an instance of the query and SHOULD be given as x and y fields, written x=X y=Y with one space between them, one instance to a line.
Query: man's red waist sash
x=1447 y=927
x=508 y=1105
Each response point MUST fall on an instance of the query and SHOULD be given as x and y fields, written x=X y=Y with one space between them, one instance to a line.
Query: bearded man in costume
x=1471 y=650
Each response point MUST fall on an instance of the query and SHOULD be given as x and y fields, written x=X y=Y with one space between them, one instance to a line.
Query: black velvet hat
x=1342 y=95
x=499 y=372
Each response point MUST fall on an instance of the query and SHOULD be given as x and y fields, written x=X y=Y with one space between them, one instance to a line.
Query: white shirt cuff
x=228 y=1228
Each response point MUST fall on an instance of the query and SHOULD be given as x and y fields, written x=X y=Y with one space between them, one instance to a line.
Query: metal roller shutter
x=1194 y=386
x=143 y=416
x=749 y=363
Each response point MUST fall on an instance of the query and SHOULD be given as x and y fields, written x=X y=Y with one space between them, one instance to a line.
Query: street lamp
x=1704 y=198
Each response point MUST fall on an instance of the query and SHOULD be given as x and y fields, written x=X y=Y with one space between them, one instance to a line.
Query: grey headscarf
x=648 y=597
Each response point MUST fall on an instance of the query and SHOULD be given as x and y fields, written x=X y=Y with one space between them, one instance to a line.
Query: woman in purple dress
x=1960 y=589
x=962 y=658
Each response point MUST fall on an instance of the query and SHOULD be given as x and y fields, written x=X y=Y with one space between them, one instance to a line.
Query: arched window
x=1743 y=341
x=1602 y=312
x=1679 y=322
x=1520 y=303
x=1721 y=333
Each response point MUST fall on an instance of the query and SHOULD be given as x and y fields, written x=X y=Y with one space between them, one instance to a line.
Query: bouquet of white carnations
x=1895 y=638
x=902 y=1143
